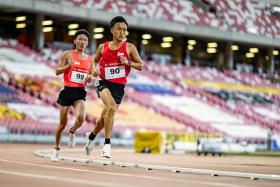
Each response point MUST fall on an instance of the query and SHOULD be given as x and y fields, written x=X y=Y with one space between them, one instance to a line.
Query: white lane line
x=63 y=179
x=101 y=172
x=94 y=171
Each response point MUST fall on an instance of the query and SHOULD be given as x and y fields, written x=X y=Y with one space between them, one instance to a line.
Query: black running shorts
x=68 y=95
x=117 y=90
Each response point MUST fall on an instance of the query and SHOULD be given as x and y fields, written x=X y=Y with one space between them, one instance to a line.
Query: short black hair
x=81 y=31
x=116 y=20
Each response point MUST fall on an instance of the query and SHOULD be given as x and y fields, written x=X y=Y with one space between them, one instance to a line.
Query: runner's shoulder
x=129 y=44
x=130 y=47
x=67 y=54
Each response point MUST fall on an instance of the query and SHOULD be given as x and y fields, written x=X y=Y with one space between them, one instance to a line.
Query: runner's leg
x=110 y=107
x=79 y=107
x=62 y=124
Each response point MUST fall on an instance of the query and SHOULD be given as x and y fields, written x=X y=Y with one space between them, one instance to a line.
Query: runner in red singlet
x=115 y=59
x=75 y=65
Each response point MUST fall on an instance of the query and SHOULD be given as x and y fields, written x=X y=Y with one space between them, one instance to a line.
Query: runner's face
x=119 y=31
x=81 y=42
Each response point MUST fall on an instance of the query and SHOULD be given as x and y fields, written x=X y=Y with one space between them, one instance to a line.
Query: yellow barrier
x=149 y=142
x=187 y=137
x=159 y=142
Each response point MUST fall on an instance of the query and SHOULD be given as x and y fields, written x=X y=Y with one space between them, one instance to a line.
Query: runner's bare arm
x=136 y=60
x=64 y=63
x=93 y=70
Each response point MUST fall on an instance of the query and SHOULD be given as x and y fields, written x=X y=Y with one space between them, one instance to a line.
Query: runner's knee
x=62 y=125
x=80 y=118
x=111 y=109
x=104 y=113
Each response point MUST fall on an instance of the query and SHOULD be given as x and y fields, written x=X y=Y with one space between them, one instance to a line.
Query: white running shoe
x=55 y=155
x=71 y=140
x=106 y=151
x=88 y=147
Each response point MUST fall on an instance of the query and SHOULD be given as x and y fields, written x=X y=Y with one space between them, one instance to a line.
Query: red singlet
x=75 y=75
x=110 y=66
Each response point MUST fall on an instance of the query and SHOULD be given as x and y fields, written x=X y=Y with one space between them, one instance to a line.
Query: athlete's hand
x=124 y=61
x=96 y=73
x=89 y=78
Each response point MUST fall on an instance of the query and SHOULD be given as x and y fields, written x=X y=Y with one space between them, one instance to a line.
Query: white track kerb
x=253 y=176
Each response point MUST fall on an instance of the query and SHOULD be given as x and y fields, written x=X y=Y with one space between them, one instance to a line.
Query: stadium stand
x=191 y=80
x=142 y=89
x=38 y=89
x=244 y=16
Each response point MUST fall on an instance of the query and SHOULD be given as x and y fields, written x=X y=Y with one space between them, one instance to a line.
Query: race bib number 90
x=78 y=77
x=114 y=72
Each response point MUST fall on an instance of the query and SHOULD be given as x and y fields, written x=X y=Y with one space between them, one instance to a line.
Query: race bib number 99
x=114 y=72
x=78 y=77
